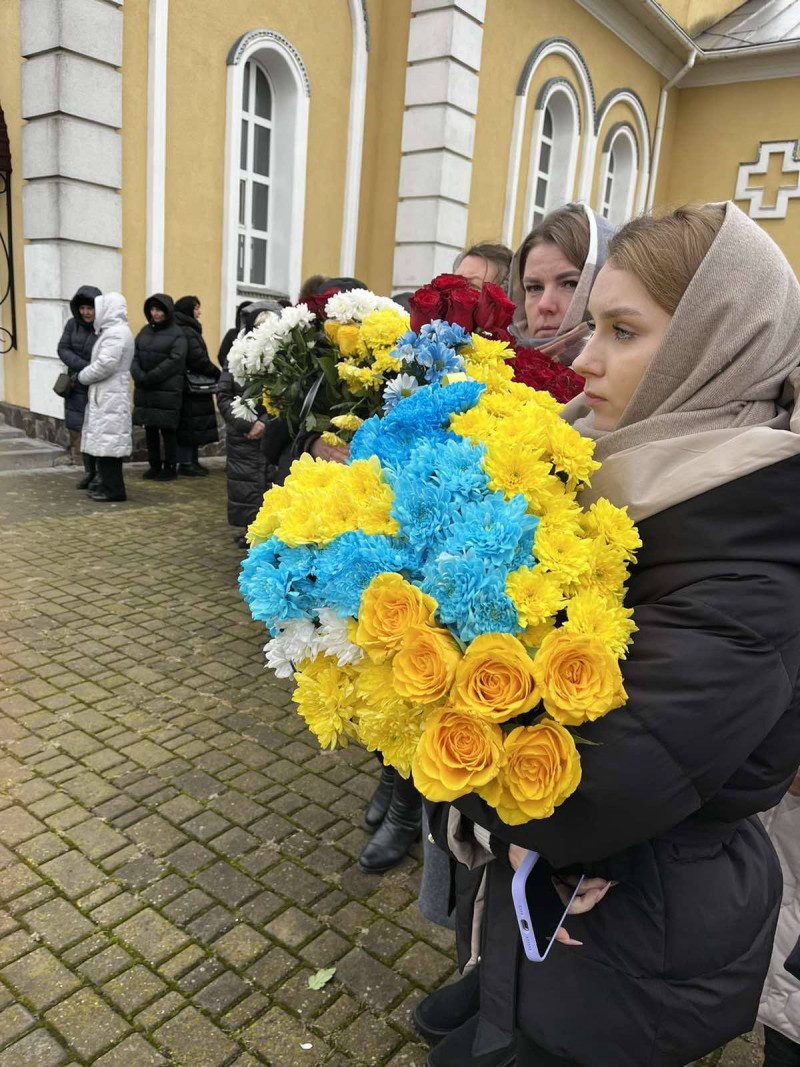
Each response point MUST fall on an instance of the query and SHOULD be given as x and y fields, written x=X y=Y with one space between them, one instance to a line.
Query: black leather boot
x=448 y=1008
x=398 y=831
x=381 y=798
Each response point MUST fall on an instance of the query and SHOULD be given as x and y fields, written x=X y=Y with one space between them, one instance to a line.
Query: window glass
x=548 y=122
x=243 y=150
x=261 y=151
x=263 y=95
x=260 y=210
x=246 y=88
x=258 y=261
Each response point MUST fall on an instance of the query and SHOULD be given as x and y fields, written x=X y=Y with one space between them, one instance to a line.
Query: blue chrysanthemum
x=347 y=565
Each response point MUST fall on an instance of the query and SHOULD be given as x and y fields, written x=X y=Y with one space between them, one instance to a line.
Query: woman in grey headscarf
x=552 y=274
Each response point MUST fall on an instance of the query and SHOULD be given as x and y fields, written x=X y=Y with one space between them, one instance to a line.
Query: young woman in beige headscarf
x=689 y=393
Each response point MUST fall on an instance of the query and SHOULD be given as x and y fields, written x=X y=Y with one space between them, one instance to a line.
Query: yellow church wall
x=380 y=173
x=16 y=361
x=200 y=36
x=717 y=127
x=512 y=30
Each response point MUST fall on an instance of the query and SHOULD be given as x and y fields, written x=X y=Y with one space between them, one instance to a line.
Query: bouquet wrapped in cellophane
x=444 y=599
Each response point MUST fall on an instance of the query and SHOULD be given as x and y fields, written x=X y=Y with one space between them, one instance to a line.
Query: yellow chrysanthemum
x=571 y=453
x=590 y=612
x=386 y=722
x=475 y=424
x=358 y=379
x=515 y=471
x=535 y=397
x=534 y=635
x=381 y=329
x=328 y=701
x=608 y=568
x=269 y=516
x=384 y=362
x=562 y=553
x=333 y=439
x=495 y=378
x=485 y=352
x=269 y=407
x=563 y=512
x=614 y=526
x=349 y=423
x=535 y=593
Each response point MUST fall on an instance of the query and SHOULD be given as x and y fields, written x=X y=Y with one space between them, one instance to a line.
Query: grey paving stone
x=151 y=936
x=134 y=1051
x=191 y=1038
x=59 y=923
x=133 y=989
x=41 y=978
x=73 y=873
x=86 y=1022
x=39 y=1049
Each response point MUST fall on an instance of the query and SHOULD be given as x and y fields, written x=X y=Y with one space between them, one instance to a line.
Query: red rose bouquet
x=450 y=298
x=539 y=371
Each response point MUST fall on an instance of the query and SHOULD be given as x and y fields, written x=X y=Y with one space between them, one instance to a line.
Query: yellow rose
x=332 y=330
x=425 y=665
x=543 y=768
x=457 y=754
x=347 y=340
x=495 y=679
x=390 y=606
x=579 y=677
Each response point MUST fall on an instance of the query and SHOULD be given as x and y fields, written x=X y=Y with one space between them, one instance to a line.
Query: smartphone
x=540 y=910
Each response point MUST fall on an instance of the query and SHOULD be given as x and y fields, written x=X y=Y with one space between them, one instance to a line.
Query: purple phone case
x=523 y=914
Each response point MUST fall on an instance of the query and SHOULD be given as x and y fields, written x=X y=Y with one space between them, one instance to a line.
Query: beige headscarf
x=717 y=400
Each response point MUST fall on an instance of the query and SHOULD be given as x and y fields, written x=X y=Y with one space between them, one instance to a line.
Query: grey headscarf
x=717 y=400
x=567 y=344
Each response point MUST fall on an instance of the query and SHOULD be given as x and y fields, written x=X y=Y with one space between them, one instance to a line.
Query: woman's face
x=197 y=312
x=549 y=280
x=86 y=312
x=628 y=328
x=157 y=314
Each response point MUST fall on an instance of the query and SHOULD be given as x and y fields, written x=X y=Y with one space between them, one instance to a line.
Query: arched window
x=554 y=150
x=255 y=170
x=266 y=146
x=618 y=174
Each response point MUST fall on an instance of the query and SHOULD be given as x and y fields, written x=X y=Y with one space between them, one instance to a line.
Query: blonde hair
x=567 y=228
x=665 y=252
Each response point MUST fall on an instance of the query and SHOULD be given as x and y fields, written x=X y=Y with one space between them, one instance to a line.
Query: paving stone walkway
x=177 y=858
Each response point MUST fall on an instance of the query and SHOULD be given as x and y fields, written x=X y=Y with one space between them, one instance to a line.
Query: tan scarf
x=718 y=398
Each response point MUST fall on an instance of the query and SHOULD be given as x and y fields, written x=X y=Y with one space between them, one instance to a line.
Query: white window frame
x=250 y=177
x=561 y=101
x=291 y=91
x=619 y=171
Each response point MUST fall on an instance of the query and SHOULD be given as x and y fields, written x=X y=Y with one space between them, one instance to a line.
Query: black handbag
x=65 y=383
x=200 y=383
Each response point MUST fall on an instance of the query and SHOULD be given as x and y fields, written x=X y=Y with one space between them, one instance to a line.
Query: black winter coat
x=674 y=957
x=198 y=423
x=158 y=368
x=75 y=350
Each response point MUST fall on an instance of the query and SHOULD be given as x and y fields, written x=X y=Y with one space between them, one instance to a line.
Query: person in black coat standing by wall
x=158 y=371
x=198 y=423
x=75 y=351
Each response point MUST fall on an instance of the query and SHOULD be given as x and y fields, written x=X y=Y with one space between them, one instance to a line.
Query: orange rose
x=543 y=768
x=457 y=754
x=390 y=607
x=425 y=665
x=495 y=679
x=579 y=677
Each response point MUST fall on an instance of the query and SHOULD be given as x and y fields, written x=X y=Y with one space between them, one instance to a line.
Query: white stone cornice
x=156 y=145
x=355 y=137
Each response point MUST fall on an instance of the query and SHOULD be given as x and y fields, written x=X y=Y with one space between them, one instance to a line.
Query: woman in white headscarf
x=690 y=394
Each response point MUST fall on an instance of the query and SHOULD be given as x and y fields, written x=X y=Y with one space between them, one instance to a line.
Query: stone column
x=72 y=160
x=444 y=58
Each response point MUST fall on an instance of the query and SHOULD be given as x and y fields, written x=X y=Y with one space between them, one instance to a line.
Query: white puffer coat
x=107 y=422
x=780 y=1001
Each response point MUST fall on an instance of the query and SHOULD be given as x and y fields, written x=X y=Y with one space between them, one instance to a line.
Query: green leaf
x=310 y=422
x=321 y=978
x=583 y=740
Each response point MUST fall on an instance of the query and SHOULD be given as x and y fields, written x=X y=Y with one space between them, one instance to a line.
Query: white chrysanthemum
x=333 y=639
x=243 y=409
x=296 y=641
x=354 y=305
x=297 y=316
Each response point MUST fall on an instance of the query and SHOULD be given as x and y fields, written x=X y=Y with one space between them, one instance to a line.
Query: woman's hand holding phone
x=590 y=893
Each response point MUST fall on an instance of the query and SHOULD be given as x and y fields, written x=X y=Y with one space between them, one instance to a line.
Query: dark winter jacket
x=158 y=368
x=198 y=422
x=250 y=464
x=75 y=350
x=675 y=955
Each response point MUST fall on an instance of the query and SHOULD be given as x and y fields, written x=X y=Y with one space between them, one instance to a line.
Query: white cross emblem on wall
x=791 y=166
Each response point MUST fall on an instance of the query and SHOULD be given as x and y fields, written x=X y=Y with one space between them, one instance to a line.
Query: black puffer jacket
x=674 y=957
x=75 y=350
x=198 y=423
x=158 y=368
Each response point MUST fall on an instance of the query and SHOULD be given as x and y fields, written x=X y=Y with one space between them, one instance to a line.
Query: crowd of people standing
x=686 y=329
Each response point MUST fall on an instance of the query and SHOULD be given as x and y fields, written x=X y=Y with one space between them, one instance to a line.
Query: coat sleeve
x=66 y=352
x=197 y=359
x=225 y=396
x=173 y=363
x=705 y=688
x=107 y=356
